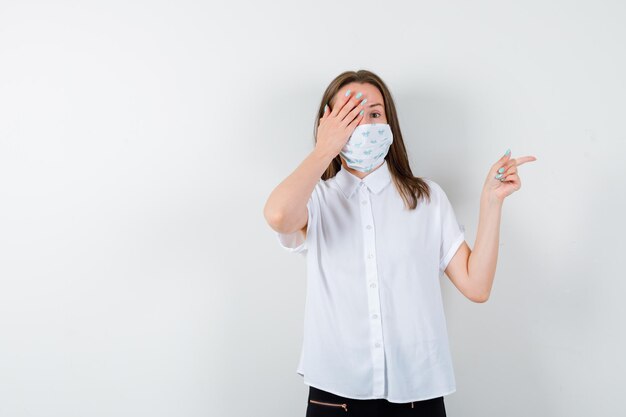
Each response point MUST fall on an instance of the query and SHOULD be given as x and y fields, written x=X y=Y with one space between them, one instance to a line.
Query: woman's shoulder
x=437 y=193
x=323 y=188
x=326 y=185
x=429 y=180
x=432 y=184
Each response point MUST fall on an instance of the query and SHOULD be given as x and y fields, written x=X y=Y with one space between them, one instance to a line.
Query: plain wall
x=139 y=142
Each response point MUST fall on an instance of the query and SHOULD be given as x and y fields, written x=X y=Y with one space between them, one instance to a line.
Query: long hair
x=410 y=188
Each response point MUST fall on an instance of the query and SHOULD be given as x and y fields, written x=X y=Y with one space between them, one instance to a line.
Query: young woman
x=377 y=240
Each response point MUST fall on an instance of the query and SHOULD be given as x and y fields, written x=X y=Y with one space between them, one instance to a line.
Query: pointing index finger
x=524 y=159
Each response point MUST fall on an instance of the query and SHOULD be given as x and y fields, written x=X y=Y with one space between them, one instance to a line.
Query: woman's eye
x=376 y=113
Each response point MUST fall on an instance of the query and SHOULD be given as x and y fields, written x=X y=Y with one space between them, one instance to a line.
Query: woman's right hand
x=336 y=126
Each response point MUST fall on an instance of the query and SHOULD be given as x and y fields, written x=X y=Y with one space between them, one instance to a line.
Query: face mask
x=367 y=147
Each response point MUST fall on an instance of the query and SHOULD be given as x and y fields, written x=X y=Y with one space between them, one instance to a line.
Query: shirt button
x=371 y=255
x=375 y=316
x=373 y=285
x=364 y=202
x=369 y=226
x=377 y=344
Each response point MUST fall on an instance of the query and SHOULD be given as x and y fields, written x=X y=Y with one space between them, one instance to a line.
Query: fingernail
x=508 y=152
x=498 y=176
x=361 y=113
x=363 y=102
x=347 y=93
x=359 y=95
x=501 y=170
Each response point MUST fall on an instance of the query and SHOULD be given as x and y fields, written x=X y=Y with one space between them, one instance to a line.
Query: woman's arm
x=285 y=210
x=473 y=271
x=481 y=264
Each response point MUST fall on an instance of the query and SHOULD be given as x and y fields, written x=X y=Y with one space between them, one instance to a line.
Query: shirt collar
x=375 y=180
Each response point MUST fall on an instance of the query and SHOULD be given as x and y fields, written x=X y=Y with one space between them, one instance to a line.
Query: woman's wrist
x=323 y=157
x=490 y=199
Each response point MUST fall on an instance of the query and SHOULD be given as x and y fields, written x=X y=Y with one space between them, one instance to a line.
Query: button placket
x=375 y=320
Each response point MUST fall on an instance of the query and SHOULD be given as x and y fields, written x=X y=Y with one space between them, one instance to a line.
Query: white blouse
x=374 y=323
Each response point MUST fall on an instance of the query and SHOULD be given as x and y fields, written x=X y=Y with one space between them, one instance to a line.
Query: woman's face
x=374 y=111
x=375 y=105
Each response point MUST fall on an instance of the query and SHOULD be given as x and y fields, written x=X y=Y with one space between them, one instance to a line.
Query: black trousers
x=322 y=403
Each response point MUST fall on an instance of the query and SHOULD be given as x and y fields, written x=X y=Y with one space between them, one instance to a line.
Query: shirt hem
x=444 y=392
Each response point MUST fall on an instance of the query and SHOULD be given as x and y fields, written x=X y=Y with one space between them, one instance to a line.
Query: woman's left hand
x=503 y=180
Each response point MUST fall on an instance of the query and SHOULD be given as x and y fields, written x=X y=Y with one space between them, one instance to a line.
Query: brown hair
x=411 y=188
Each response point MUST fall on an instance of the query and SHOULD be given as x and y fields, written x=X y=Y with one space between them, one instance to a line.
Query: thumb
x=502 y=160
x=504 y=157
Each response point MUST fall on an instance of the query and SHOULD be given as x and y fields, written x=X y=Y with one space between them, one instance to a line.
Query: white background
x=139 y=142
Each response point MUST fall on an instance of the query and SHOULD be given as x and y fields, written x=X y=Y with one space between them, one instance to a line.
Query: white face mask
x=367 y=147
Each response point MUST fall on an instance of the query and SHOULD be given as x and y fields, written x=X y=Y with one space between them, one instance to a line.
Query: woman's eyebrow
x=375 y=104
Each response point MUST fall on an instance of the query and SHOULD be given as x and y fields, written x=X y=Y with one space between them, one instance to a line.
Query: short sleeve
x=452 y=233
x=295 y=242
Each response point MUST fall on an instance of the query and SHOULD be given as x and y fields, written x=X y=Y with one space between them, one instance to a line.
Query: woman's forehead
x=365 y=88
x=360 y=87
